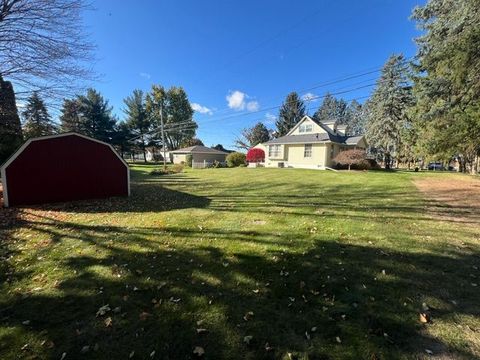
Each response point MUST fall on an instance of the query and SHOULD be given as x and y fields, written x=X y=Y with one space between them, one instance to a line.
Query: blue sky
x=238 y=60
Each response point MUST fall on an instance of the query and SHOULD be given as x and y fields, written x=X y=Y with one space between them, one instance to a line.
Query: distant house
x=202 y=156
x=310 y=144
x=152 y=153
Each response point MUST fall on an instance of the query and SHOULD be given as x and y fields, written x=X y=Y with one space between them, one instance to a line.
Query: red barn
x=61 y=168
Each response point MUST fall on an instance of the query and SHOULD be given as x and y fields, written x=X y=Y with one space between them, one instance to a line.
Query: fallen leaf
x=132 y=354
x=199 y=351
x=108 y=322
x=103 y=310
x=424 y=317
x=64 y=355
x=152 y=354
x=85 y=349
x=201 y=331
x=268 y=347
x=248 y=315
x=338 y=339
x=144 y=316
x=247 y=339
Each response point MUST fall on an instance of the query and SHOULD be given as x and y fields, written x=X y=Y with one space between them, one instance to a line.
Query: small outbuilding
x=61 y=168
x=202 y=156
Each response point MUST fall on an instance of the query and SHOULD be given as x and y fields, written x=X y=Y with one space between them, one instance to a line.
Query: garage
x=202 y=156
x=64 y=167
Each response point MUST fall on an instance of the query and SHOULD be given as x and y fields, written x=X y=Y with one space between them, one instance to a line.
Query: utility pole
x=163 y=136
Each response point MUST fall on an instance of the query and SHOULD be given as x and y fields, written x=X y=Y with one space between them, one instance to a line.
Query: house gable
x=306 y=126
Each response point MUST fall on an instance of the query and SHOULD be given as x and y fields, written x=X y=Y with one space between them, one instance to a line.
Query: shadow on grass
x=368 y=298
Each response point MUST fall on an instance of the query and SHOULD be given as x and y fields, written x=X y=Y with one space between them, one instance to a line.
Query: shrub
x=189 y=160
x=255 y=155
x=351 y=158
x=235 y=159
x=175 y=169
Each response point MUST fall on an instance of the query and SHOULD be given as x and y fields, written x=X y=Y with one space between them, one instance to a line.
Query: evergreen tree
x=291 y=112
x=96 y=116
x=388 y=108
x=253 y=136
x=37 y=120
x=11 y=136
x=331 y=109
x=121 y=138
x=447 y=84
x=355 y=118
x=138 y=120
x=192 y=142
x=70 y=117
x=177 y=115
x=179 y=111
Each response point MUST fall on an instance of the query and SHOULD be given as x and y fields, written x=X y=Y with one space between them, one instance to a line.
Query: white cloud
x=269 y=119
x=253 y=106
x=310 y=97
x=238 y=100
x=201 y=109
x=145 y=75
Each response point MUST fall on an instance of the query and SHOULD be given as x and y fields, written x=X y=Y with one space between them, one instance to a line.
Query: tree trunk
x=349 y=167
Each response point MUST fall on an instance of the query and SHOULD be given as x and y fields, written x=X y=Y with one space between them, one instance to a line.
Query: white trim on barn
x=29 y=141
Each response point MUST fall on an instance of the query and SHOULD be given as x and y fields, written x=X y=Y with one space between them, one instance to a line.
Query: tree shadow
x=334 y=301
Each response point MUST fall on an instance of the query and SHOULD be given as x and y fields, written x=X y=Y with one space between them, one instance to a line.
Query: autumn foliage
x=255 y=155
x=351 y=157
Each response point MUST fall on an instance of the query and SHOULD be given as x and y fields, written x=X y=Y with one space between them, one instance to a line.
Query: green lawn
x=309 y=264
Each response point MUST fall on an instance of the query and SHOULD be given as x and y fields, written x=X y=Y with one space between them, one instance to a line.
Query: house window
x=307 y=151
x=305 y=128
x=274 y=151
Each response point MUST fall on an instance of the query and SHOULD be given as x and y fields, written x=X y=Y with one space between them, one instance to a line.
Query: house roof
x=316 y=138
x=197 y=149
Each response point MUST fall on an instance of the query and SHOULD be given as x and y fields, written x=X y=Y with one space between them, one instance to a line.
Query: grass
x=310 y=264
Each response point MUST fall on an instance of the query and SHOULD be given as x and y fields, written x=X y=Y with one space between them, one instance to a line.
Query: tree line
x=426 y=108
x=90 y=114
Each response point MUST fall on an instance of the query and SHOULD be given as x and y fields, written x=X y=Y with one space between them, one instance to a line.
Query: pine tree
x=70 y=117
x=388 y=108
x=447 y=84
x=121 y=138
x=96 y=116
x=37 y=120
x=11 y=136
x=331 y=109
x=355 y=118
x=137 y=119
x=291 y=112
x=253 y=136
x=177 y=114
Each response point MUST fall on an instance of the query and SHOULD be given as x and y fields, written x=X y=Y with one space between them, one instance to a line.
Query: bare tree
x=44 y=46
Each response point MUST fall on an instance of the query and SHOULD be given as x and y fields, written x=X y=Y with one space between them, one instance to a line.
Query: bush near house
x=255 y=155
x=235 y=159
x=355 y=158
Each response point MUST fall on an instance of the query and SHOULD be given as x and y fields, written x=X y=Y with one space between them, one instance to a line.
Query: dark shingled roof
x=315 y=138
x=318 y=137
x=198 y=149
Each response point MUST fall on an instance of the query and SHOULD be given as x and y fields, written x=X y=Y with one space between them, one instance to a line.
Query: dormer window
x=305 y=128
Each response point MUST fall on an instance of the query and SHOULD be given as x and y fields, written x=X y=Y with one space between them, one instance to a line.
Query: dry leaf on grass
x=108 y=322
x=103 y=310
x=199 y=351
